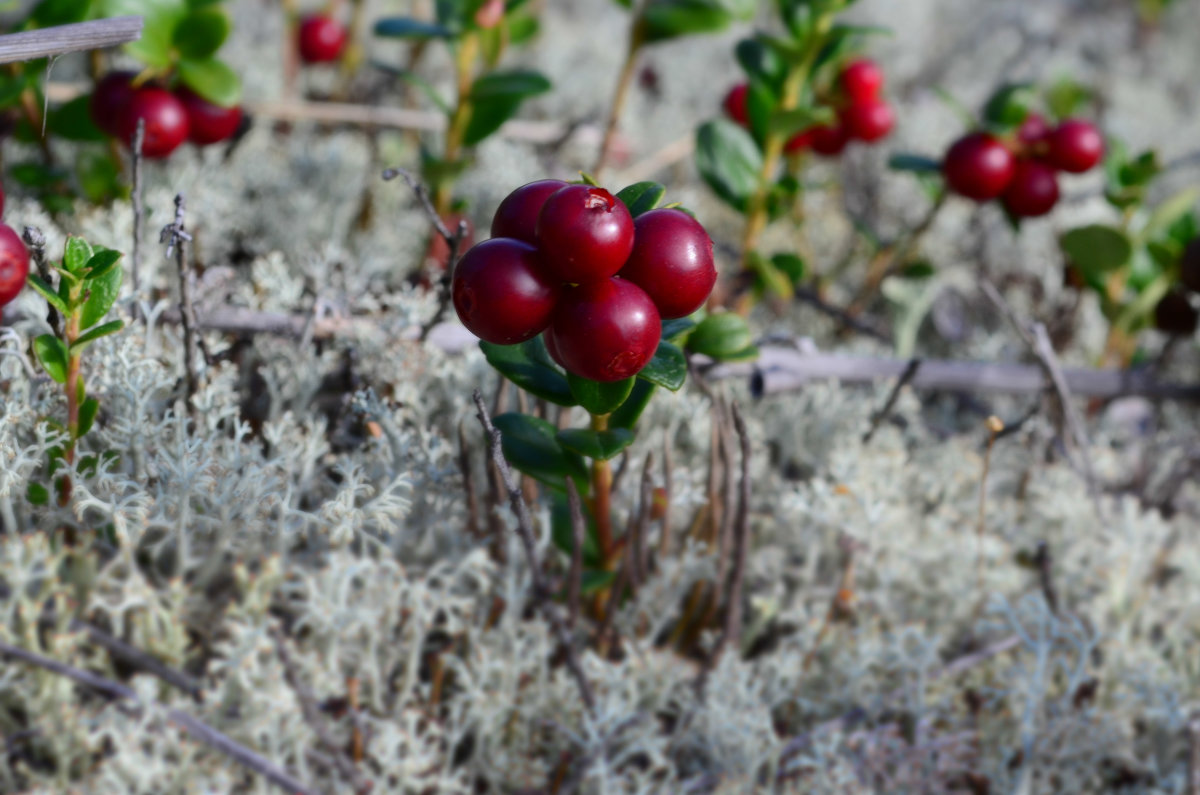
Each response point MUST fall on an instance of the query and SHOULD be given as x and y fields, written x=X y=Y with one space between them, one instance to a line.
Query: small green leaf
x=1065 y=97
x=790 y=122
x=529 y=366
x=790 y=265
x=631 y=410
x=530 y=445
x=1009 y=105
x=160 y=18
x=77 y=254
x=101 y=262
x=721 y=335
x=761 y=63
x=1096 y=248
x=496 y=98
x=676 y=327
x=915 y=163
x=103 y=293
x=201 y=33
x=642 y=197
x=667 y=369
x=47 y=292
x=409 y=28
x=72 y=121
x=90 y=336
x=669 y=19
x=729 y=161
x=37 y=494
x=87 y=415
x=599 y=397
x=212 y=79
x=596 y=445
x=53 y=355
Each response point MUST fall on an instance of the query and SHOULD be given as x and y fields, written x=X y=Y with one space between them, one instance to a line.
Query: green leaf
x=78 y=252
x=90 y=336
x=790 y=265
x=596 y=445
x=46 y=291
x=409 y=28
x=599 y=397
x=631 y=410
x=72 y=121
x=916 y=163
x=521 y=27
x=87 y=415
x=52 y=354
x=212 y=79
x=676 y=327
x=1168 y=212
x=495 y=98
x=530 y=445
x=642 y=197
x=36 y=175
x=160 y=19
x=37 y=494
x=790 y=122
x=1065 y=97
x=99 y=176
x=1096 y=248
x=669 y=19
x=721 y=335
x=729 y=161
x=201 y=33
x=761 y=63
x=104 y=291
x=529 y=366
x=51 y=13
x=761 y=106
x=594 y=580
x=1009 y=105
x=667 y=369
x=100 y=263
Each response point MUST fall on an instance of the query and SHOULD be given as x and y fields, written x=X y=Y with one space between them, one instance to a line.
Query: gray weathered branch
x=95 y=35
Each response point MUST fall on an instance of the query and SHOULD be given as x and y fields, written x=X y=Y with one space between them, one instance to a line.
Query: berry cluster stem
x=464 y=68
x=602 y=480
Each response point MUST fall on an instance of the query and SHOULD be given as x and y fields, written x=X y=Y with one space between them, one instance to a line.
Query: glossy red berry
x=321 y=39
x=1075 y=146
x=861 y=80
x=799 y=142
x=829 y=140
x=1174 y=314
x=110 y=99
x=517 y=215
x=14 y=264
x=584 y=234
x=606 y=330
x=735 y=104
x=868 y=121
x=1034 y=131
x=1033 y=190
x=978 y=166
x=500 y=292
x=672 y=260
x=166 y=121
x=208 y=123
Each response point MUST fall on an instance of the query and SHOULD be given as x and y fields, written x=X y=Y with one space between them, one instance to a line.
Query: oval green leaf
x=729 y=161
x=599 y=397
x=642 y=197
x=529 y=366
x=1096 y=248
x=51 y=352
x=213 y=80
x=201 y=33
x=667 y=369
x=596 y=445
x=530 y=446
x=721 y=335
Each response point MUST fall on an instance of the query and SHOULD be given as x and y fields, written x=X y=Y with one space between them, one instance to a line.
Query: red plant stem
x=602 y=497
x=70 y=334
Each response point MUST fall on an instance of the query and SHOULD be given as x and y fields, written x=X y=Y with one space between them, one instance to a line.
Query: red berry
x=1033 y=131
x=1075 y=146
x=14 y=264
x=829 y=140
x=517 y=215
x=584 y=234
x=322 y=39
x=606 y=330
x=735 y=104
x=978 y=166
x=862 y=80
x=500 y=292
x=672 y=260
x=1175 y=314
x=208 y=123
x=166 y=121
x=110 y=99
x=799 y=142
x=868 y=121
x=1033 y=190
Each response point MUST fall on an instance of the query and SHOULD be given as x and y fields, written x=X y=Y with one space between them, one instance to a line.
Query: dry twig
x=905 y=378
x=61 y=39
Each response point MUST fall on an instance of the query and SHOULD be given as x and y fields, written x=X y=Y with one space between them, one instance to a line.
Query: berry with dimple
x=829 y=140
x=165 y=117
x=1075 y=146
x=321 y=39
x=14 y=264
x=501 y=292
x=672 y=260
x=1033 y=190
x=735 y=104
x=517 y=215
x=1033 y=132
x=1189 y=266
x=869 y=120
x=1175 y=314
x=208 y=123
x=861 y=80
x=110 y=100
x=978 y=166
x=607 y=330
x=584 y=234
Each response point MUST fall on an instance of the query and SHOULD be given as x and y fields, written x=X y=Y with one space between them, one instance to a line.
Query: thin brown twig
x=905 y=378
x=175 y=236
x=143 y=660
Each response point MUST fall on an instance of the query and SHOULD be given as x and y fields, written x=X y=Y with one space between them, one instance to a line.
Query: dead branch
x=95 y=35
x=905 y=378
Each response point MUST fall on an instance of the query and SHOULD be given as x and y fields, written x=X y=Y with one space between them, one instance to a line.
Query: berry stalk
x=464 y=62
x=624 y=81
x=602 y=480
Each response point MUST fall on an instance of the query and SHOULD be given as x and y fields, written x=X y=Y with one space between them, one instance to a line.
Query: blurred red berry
x=14 y=264
x=1075 y=146
x=1033 y=190
x=735 y=104
x=110 y=99
x=208 y=123
x=165 y=117
x=861 y=80
x=978 y=166
x=868 y=121
x=321 y=39
x=829 y=140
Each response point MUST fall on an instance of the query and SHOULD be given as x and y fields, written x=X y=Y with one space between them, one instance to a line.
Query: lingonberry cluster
x=171 y=117
x=321 y=39
x=862 y=114
x=569 y=261
x=1021 y=168
x=14 y=264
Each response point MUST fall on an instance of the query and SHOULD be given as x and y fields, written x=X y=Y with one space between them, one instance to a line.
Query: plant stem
x=624 y=81
x=70 y=334
x=602 y=497
x=464 y=62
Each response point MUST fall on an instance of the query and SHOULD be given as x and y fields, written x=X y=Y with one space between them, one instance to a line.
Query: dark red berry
x=978 y=166
x=735 y=104
x=1189 y=266
x=1175 y=314
x=552 y=346
x=1075 y=146
x=1033 y=190
x=517 y=215
x=584 y=234
x=322 y=39
x=672 y=260
x=606 y=330
x=829 y=140
x=868 y=121
x=500 y=292
x=208 y=123
x=166 y=121
x=861 y=80
x=14 y=264
x=1034 y=131
x=110 y=100
x=799 y=142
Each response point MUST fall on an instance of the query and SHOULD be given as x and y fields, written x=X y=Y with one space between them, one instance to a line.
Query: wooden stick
x=95 y=35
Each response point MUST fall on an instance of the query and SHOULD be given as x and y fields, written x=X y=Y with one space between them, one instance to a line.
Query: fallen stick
x=95 y=35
